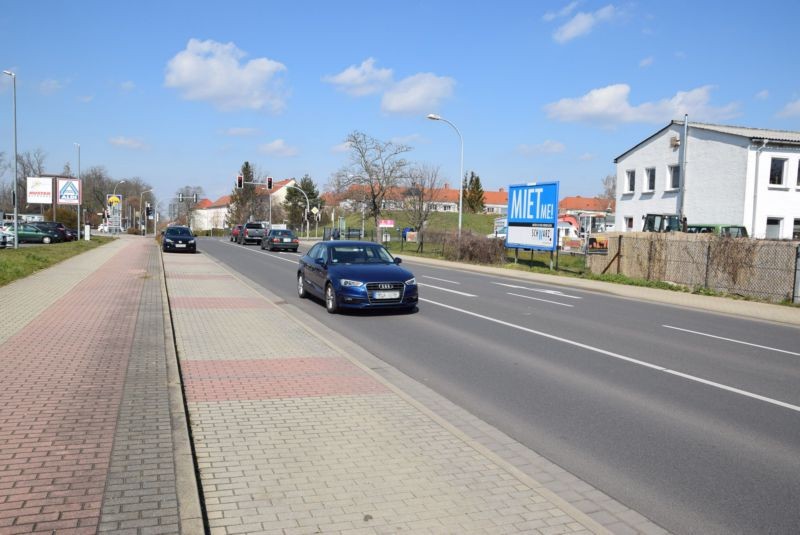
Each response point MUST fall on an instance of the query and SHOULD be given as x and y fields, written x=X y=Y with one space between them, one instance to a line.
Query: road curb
x=190 y=511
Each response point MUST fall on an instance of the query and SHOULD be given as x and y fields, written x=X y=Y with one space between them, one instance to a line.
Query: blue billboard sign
x=533 y=216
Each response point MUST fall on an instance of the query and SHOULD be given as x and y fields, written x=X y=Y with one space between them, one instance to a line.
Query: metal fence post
x=708 y=262
x=619 y=252
x=796 y=290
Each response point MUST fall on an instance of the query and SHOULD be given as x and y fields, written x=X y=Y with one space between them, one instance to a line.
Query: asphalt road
x=690 y=418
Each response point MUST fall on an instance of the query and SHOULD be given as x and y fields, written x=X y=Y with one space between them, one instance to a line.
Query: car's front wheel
x=46 y=239
x=301 y=286
x=330 y=299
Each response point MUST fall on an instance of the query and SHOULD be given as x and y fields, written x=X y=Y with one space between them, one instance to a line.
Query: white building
x=733 y=175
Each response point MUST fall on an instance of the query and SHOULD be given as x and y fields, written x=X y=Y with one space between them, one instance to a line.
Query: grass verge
x=20 y=263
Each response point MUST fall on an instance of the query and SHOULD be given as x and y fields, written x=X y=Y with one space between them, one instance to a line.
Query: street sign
x=533 y=216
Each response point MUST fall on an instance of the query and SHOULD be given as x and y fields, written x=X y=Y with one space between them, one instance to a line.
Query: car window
x=314 y=251
x=359 y=254
x=179 y=231
x=281 y=233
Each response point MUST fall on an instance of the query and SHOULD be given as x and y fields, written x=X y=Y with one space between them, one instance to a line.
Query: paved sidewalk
x=90 y=437
x=294 y=436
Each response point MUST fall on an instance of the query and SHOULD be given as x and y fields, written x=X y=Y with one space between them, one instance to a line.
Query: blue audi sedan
x=355 y=275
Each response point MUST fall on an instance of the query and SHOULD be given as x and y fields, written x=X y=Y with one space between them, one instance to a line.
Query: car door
x=315 y=273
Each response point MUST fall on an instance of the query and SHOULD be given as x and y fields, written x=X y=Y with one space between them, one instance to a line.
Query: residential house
x=208 y=215
x=733 y=175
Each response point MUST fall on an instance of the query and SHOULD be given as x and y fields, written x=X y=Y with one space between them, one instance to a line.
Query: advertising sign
x=40 y=190
x=69 y=191
x=533 y=216
x=385 y=223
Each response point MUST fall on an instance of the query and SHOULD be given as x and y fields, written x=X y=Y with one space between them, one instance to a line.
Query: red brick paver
x=63 y=379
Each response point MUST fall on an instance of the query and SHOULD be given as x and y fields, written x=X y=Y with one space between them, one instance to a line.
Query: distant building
x=734 y=175
x=208 y=214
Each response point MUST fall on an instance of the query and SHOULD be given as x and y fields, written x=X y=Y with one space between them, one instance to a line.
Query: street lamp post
x=14 y=196
x=434 y=117
x=80 y=189
x=141 y=210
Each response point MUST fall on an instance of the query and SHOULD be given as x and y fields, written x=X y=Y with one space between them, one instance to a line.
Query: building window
x=628 y=223
x=650 y=176
x=630 y=184
x=674 y=177
x=774 y=228
x=796 y=230
x=776 y=171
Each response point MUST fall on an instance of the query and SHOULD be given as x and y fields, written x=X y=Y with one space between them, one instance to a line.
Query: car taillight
x=245 y=232
x=295 y=240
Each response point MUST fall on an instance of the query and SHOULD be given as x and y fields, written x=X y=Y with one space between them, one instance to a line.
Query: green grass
x=19 y=263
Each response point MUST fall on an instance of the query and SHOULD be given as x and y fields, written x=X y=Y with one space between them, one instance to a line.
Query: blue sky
x=181 y=93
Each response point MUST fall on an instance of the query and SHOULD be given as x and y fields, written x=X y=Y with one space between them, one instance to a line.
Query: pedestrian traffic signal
x=240 y=182
x=269 y=182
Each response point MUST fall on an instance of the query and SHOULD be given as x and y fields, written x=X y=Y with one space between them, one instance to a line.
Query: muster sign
x=533 y=216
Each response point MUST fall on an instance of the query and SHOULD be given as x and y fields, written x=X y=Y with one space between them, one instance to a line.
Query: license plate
x=386 y=295
x=180 y=245
x=287 y=240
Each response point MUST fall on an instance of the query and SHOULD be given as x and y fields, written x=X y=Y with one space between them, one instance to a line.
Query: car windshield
x=179 y=231
x=281 y=233
x=360 y=254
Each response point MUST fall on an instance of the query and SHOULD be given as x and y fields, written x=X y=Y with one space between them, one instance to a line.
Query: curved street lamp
x=434 y=117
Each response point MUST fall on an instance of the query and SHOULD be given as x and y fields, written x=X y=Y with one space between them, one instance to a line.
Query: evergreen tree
x=473 y=193
x=243 y=201
x=295 y=202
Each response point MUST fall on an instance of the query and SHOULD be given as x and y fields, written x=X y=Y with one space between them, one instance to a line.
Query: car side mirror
x=320 y=261
x=397 y=260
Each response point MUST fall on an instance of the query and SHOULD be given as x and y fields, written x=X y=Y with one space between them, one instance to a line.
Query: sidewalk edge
x=190 y=512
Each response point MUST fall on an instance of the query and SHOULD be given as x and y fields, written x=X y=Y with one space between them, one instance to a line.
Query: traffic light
x=194 y=198
x=269 y=182
x=240 y=182
x=147 y=210
x=180 y=197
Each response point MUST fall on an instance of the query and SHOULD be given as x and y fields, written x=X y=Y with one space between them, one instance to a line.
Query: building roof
x=222 y=202
x=203 y=203
x=495 y=198
x=587 y=204
x=754 y=134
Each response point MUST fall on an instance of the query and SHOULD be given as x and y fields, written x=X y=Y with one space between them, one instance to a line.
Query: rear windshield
x=254 y=225
x=287 y=233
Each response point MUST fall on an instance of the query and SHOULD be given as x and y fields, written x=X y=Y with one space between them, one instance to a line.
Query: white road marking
x=551 y=292
x=266 y=253
x=733 y=340
x=623 y=357
x=438 y=279
x=446 y=289
x=539 y=299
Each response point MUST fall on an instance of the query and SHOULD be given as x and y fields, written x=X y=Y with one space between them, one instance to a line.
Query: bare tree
x=376 y=167
x=422 y=192
x=609 y=187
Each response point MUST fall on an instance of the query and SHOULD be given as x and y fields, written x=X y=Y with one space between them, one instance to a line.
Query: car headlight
x=167 y=240
x=191 y=242
x=411 y=282
x=350 y=283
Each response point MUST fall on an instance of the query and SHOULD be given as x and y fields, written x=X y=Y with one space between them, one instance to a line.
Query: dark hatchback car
x=55 y=226
x=356 y=275
x=284 y=240
x=36 y=234
x=179 y=239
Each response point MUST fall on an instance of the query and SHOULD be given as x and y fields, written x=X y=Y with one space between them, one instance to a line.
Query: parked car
x=35 y=234
x=179 y=239
x=235 y=231
x=355 y=274
x=727 y=231
x=60 y=228
x=6 y=238
x=280 y=239
x=251 y=232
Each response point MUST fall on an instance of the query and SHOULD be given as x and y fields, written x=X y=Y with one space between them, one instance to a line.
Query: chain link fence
x=737 y=266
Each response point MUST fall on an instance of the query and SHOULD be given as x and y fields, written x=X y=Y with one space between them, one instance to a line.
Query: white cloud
x=763 y=94
x=241 y=132
x=792 y=109
x=212 y=72
x=646 y=62
x=278 y=148
x=361 y=80
x=128 y=143
x=127 y=86
x=341 y=148
x=609 y=105
x=548 y=147
x=50 y=86
x=582 y=23
x=417 y=94
x=563 y=12
x=586 y=156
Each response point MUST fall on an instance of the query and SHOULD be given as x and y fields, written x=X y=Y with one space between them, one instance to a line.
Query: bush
x=474 y=248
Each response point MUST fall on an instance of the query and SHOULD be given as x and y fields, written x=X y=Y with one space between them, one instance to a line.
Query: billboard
x=69 y=191
x=40 y=190
x=533 y=216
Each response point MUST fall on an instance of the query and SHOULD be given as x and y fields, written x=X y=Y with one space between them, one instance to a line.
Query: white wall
x=770 y=201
